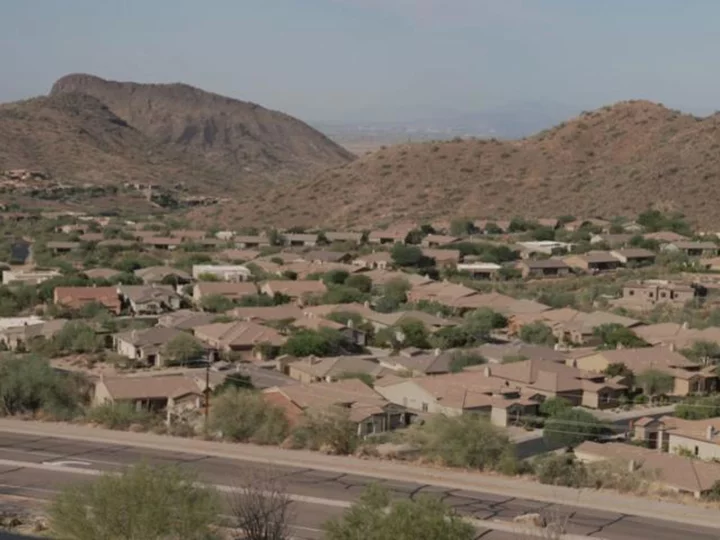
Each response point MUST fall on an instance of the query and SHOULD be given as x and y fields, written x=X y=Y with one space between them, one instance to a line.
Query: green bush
x=120 y=416
x=469 y=441
x=244 y=416
x=571 y=427
x=330 y=430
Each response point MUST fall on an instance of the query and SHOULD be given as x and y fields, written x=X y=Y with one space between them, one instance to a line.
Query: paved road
x=22 y=475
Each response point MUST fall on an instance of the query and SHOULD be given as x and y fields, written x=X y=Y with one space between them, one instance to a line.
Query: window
x=424 y=407
x=697 y=451
x=631 y=293
x=663 y=295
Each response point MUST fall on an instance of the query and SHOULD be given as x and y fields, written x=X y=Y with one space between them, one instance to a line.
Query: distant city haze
x=507 y=67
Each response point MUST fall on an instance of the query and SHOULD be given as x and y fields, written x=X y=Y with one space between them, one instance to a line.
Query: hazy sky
x=346 y=60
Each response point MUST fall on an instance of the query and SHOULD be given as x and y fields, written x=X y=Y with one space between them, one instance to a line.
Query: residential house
x=244 y=337
x=301 y=240
x=101 y=273
x=697 y=438
x=225 y=235
x=497 y=353
x=443 y=292
x=188 y=235
x=296 y=290
x=676 y=473
x=689 y=377
x=443 y=257
x=117 y=244
x=335 y=236
x=665 y=237
x=376 y=260
x=676 y=336
x=693 y=249
x=454 y=394
x=528 y=250
x=712 y=264
x=78 y=297
x=576 y=225
x=172 y=393
x=28 y=277
x=312 y=369
x=231 y=290
x=613 y=241
x=324 y=257
x=579 y=329
x=162 y=242
x=532 y=269
x=480 y=270
x=282 y=312
x=353 y=334
x=438 y=240
x=545 y=379
x=58 y=248
x=364 y=406
x=163 y=274
x=418 y=362
x=380 y=277
x=16 y=338
x=150 y=299
x=502 y=225
x=634 y=257
x=226 y=272
x=186 y=319
x=145 y=346
x=238 y=255
x=251 y=242
x=391 y=236
x=649 y=293
x=593 y=262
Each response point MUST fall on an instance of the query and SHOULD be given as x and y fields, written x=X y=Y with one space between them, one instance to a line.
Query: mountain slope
x=234 y=137
x=617 y=160
x=77 y=139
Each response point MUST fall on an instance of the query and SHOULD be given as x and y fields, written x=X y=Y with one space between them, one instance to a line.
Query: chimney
x=709 y=433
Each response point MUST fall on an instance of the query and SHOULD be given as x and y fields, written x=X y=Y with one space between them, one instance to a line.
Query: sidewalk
x=390 y=470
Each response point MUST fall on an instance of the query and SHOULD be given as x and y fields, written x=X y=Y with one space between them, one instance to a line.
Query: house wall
x=101 y=394
x=299 y=375
x=410 y=395
x=702 y=449
x=126 y=349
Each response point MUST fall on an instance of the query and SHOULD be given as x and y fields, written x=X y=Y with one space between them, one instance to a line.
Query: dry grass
x=613 y=161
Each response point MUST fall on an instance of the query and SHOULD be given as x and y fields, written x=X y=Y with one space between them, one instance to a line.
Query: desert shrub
x=330 y=430
x=244 y=416
x=120 y=416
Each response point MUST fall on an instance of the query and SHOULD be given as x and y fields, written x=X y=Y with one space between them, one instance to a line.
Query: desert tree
x=261 y=507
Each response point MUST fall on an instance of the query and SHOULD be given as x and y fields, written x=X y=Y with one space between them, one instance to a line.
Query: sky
x=345 y=61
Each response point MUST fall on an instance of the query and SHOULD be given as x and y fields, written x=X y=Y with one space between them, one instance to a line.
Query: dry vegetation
x=617 y=160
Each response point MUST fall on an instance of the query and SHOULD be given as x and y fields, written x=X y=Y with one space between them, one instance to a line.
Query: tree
x=322 y=342
x=335 y=277
x=571 y=427
x=461 y=360
x=620 y=370
x=182 y=349
x=414 y=333
x=74 y=338
x=243 y=415
x=359 y=282
x=461 y=227
x=261 y=506
x=478 y=324
x=655 y=383
x=216 y=303
x=394 y=294
x=329 y=429
x=615 y=335
x=404 y=255
x=376 y=516
x=342 y=294
x=703 y=352
x=537 y=333
x=554 y=406
x=141 y=502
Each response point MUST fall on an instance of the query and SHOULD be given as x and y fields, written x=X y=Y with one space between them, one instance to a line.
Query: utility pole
x=207 y=394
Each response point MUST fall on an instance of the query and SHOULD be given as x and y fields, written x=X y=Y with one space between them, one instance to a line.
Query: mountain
x=76 y=139
x=618 y=160
x=236 y=138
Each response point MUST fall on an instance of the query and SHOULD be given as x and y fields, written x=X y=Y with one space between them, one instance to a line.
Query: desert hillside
x=617 y=160
x=237 y=138
x=76 y=139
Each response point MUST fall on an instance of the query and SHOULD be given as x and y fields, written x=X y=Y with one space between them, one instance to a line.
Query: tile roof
x=165 y=386
x=239 y=334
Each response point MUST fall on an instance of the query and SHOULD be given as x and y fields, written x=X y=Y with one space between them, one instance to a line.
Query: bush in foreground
x=244 y=416
x=143 y=502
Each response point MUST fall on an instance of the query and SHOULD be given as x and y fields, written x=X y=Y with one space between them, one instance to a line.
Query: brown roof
x=465 y=390
x=595 y=257
x=63 y=245
x=161 y=241
x=442 y=255
x=267 y=313
x=643 y=359
x=164 y=386
x=541 y=375
x=634 y=253
x=295 y=289
x=228 y=289
x=78 y=296
x=440 y=239
x=695 y=245
x=101 y=273
x=156 y=336
x=544 y=263
x=685 y=474
x=239 y=334
x=185 y=319
x=158 y=273
x=665 y=236
x=239 y=254
x=336 y=366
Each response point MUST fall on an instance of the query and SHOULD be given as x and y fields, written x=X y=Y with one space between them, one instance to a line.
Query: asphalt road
x=22 y=476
